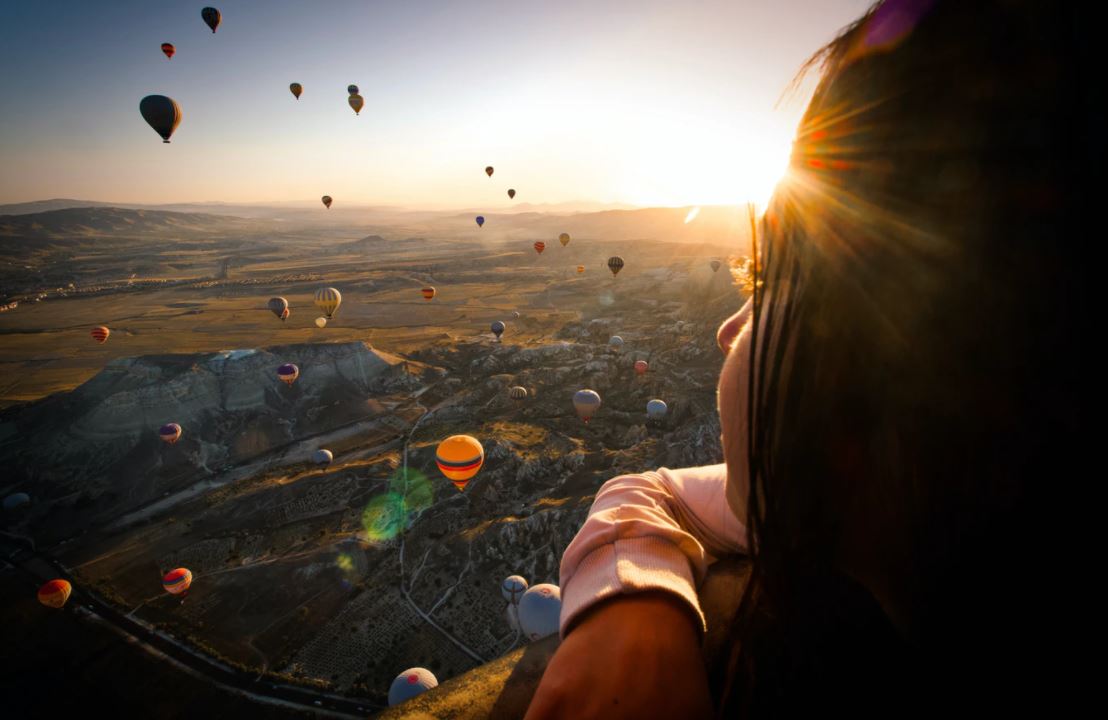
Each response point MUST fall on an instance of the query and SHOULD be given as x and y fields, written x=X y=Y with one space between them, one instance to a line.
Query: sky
x=643 y=102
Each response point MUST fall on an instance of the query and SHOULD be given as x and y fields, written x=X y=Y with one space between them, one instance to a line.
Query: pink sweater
x=652 y=531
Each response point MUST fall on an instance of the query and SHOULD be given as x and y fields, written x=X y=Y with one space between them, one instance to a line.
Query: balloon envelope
x=278 y=306
x=480 y=220
x=100 y=334
x=615 y=342
x=328 y=300
x=511 y=194
x=168 y=49
x=170 y=432
x=539 y=611
x=55 y=593
x=327 y=201
x=488 y=171
x=540 y=246
x=352 y=90
x=357 y=102
x=296 y=89
x=16 y=501
x=564 y=239
x=512 y=588
x=615 y=264
x=211 y=17
x=411 y=682
x=428 y=292
x=517 y=393
x=322 y=457
x=715 y=265
x=641 y=366
x=288 y=373
x=320 y=322
x=497 y=328
x=580 y=268
x=459 y=457
x=656 y=409
x=160 y=113
x=177 y=581
x=586 y=402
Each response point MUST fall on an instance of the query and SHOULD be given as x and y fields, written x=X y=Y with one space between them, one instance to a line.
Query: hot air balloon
x=480 y=220
x=322 y=457
x=100 y=334
x=488 y=171
x=539 y=611
x=16 y=501
x=168 y=49
x=321 y=322
x=515 y=314
x=428 y=292
x=296 y=89
x=288 y=372
x=512 y=588
x=517 y=393
x=615 y=264
x=278 y=306
x=55 y=593
x=641 y=366
x=357 y=102
x=352 y=90
x=656 y=409
x=411 y=682
x=564 y=239
x=540 y=246
x=328 y=300
x=511 y=194
x=459 y=457
x=615 y=342
x=177 y=581
x=580 y=268
x=497 y=328
x=211 y=17
x=586 y=402
x=170 y=432
x=160 y=113
x=327 y=201
x=715 y=265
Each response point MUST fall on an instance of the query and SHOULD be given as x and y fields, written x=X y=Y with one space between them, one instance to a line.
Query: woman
x=896 y=412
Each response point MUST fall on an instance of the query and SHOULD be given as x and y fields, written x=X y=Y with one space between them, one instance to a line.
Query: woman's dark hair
x=916 y=400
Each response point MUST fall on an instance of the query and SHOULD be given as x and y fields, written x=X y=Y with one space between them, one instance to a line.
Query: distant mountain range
x=713 y=225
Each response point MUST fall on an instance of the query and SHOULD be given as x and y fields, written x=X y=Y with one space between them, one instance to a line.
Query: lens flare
x=692 y=215
x=389 y=514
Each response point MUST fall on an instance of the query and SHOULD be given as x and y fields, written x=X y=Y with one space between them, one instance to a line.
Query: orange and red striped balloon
x=428 y=293
x=459 y=457
x=100 y=334
x=540 y=246
x=55 y=593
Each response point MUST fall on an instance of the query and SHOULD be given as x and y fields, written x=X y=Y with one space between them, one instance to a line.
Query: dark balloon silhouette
x=211 y=17
x=161 y=113
x=168 y=49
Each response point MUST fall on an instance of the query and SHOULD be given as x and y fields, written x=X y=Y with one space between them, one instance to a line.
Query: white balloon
x=411 y=682
x=512 y=588
x=539 y=611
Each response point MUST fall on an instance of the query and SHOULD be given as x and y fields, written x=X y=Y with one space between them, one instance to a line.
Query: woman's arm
x=652 y=531
x=631 y=621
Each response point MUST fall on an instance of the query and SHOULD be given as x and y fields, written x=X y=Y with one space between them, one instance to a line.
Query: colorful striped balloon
x=615 y=264
x=55 y=593
x=459 y=457
x=580 y=268
x=288 y=372
x=540 y=246
x=100 y=334
x=328 y=300
x=170 y=432
x=177 y=581
x=586 y=402
x=428 y=293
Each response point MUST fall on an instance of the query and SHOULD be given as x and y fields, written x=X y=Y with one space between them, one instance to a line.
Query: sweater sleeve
x=650 y=531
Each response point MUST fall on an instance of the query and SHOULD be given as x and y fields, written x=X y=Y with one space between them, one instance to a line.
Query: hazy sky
x=663 y=103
